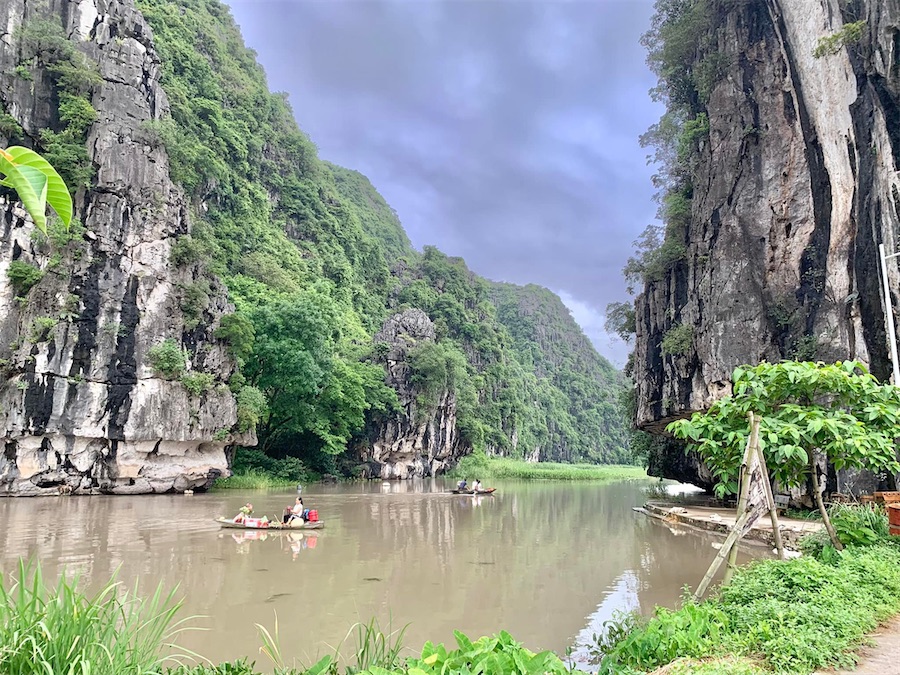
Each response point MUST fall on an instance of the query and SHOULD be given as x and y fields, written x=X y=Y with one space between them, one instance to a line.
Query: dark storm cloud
x=503 y=131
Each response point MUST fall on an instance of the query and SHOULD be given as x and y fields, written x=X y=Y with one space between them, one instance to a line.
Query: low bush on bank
x=796 y=616
x=478 y=465
x=254 y=469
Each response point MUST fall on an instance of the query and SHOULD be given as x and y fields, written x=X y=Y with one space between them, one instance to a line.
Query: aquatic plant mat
x=794 y=616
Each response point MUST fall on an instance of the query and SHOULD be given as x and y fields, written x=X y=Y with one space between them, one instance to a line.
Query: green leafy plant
x=167 y=358
x=678 y=340
x=23 y=276
x=37 y=184
x=848 y=34
x=839 y=409
x=41 y=327
x=251 y=407
x=197 y=383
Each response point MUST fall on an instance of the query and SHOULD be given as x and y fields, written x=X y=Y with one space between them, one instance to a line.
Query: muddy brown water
x=546 y=561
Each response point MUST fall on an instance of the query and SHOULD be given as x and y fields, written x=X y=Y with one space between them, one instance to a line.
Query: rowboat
x=272 y=526
x=489 y=491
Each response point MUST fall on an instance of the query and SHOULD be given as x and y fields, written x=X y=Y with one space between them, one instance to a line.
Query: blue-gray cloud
x=504 y=131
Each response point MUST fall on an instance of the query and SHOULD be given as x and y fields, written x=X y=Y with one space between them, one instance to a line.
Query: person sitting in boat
x=476 y=486
x=295 y=512
x=246 y=510
x=463 y=484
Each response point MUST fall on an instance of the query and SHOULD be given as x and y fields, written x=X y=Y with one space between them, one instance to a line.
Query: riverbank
x=483 y=467
x=803 y=616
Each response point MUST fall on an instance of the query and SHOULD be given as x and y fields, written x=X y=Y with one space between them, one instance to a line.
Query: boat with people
x=295 y=517
x=488 y=491
x=270 y=525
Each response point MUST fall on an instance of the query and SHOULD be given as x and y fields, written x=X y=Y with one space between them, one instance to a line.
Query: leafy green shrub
x=186 y=251
x=848 y=34
x=194 y=301
x=168 y=359
x=495 y=654
x=23 y=276
x=251 y=406
x=9 y=126
x=254 y=460
x=678 y=340
x=237 y=330
x=856 y=525
x=41 y=327
x=197 y=383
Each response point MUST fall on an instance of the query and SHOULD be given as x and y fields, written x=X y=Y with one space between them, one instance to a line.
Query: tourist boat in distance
x=271 y=526
x=489 y=491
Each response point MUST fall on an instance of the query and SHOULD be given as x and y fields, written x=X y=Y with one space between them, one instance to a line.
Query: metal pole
x=889 y=315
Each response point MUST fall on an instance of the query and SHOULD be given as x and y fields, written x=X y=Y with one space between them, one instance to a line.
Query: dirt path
x=884 y=657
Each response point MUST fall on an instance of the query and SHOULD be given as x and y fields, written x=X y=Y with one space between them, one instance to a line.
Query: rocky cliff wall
x=794 y=188
x=81 y=407
x=418 y=440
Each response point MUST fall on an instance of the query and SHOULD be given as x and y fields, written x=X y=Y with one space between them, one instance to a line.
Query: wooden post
x=744 y=482
x=730 y=543
x=770 y=499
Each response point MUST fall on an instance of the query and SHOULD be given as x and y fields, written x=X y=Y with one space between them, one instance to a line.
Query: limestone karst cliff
x=787 y=175
x=81 y=406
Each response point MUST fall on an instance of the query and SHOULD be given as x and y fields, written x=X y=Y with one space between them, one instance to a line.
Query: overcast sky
x=503 y=131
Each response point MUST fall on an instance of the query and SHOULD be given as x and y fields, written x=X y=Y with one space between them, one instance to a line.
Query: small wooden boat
x=489 y=491
x=272 y=526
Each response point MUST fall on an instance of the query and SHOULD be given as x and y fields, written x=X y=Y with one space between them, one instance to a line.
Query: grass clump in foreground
x=794 y=616
x=478 y=465
x=61 y=631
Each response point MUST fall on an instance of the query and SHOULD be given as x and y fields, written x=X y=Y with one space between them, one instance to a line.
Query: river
x=547 y=561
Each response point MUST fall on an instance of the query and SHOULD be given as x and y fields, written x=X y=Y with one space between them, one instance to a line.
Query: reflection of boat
x=489 y=491
x=272 y=526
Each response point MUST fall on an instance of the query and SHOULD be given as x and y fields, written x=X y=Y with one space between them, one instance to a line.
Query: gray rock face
x=798 y=183
x=415 y=442
x=81 y=408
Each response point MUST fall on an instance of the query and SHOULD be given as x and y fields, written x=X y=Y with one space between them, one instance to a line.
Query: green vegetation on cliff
x=315 y=260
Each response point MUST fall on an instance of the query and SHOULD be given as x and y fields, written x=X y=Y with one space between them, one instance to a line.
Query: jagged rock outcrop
x=416 y=441
x=795 y=187
x=81 y=407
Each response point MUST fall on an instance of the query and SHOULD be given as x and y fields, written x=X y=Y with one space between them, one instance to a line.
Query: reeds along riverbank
x=482 y=467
